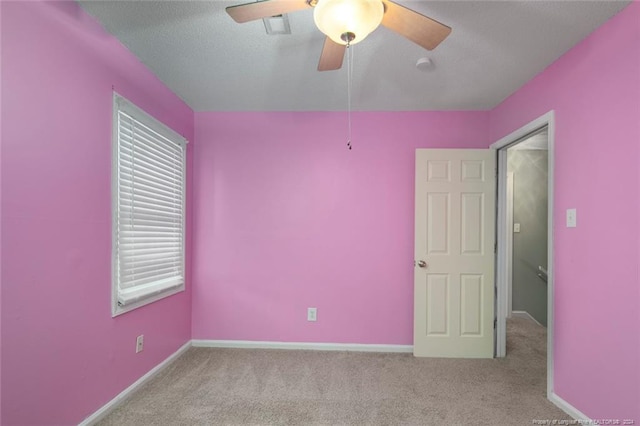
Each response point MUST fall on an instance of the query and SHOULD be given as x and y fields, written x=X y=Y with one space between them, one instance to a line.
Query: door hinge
x=495 y=247
x=495 y=323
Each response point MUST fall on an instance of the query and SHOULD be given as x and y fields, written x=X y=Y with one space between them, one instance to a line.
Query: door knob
x=422 y=264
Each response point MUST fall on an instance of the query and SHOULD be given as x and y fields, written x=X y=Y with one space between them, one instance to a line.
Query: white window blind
x=149 y=208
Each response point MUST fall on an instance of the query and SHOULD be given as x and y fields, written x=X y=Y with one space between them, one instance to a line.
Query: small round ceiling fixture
x=424 y=64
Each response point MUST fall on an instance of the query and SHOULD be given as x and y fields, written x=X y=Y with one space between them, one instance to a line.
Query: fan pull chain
x=349 y=83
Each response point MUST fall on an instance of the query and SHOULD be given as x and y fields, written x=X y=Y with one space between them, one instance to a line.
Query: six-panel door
x=454 y=227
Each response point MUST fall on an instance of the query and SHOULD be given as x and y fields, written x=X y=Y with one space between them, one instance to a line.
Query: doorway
x=527 y=199
x=520 y=261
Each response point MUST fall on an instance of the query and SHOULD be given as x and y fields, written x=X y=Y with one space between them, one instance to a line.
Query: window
x=149 y=168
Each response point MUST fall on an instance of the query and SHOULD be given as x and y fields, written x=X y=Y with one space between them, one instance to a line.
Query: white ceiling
x=215 y=64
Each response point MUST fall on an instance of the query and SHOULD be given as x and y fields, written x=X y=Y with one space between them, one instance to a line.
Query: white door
x=454 y=253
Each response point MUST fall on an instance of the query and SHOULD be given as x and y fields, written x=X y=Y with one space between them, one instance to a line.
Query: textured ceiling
x=215 y=64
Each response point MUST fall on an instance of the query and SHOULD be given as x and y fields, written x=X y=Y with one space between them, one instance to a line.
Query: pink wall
x=0 y=220
x=63 y=355
x=289 y=218
x=595 y=92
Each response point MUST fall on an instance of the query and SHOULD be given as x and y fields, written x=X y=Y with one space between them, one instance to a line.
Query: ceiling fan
x=346 y=22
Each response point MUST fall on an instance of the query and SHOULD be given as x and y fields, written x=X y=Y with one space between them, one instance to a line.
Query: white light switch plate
x=572 y=220
x=516 y=227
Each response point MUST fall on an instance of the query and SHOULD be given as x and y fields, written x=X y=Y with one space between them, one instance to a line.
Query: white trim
x=123 y=104
x=114 y=199
x=525 y=315
x=122 y=303
x=544 y=120
x=548 y=120
x=509 y=243
x=309 y=346
x=103 y=411
x=147 y=299
x=502 y=268
x=569 y=409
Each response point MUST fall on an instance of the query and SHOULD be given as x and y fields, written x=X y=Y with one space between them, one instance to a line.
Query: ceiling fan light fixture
x=348 y=21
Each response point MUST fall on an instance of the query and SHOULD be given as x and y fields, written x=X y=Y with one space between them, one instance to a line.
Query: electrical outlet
x=312 y=314
x=140 y=343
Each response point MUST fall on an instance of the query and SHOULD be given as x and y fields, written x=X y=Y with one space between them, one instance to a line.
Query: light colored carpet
x=264 y=387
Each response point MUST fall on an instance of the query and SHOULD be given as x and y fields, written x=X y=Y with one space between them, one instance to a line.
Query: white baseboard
x=525 y=314
x=247 y=344
x=354 y=347
x=102 y=412
x=569 y=409
x=119 y=399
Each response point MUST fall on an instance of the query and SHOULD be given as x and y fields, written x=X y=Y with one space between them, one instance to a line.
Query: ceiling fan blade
x=264 y=9
x=418 y=28
x=332 y=55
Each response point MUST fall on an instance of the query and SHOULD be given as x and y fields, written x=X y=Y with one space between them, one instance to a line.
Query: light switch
x=571 y=218
x=516 y=227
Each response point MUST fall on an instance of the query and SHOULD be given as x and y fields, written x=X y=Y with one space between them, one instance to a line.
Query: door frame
x=508 y=244
x=502 y=269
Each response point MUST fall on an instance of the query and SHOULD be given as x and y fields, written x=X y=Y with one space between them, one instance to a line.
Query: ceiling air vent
x=276 y=25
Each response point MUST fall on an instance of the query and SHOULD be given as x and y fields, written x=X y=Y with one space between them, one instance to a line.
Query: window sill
x=118 y=309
